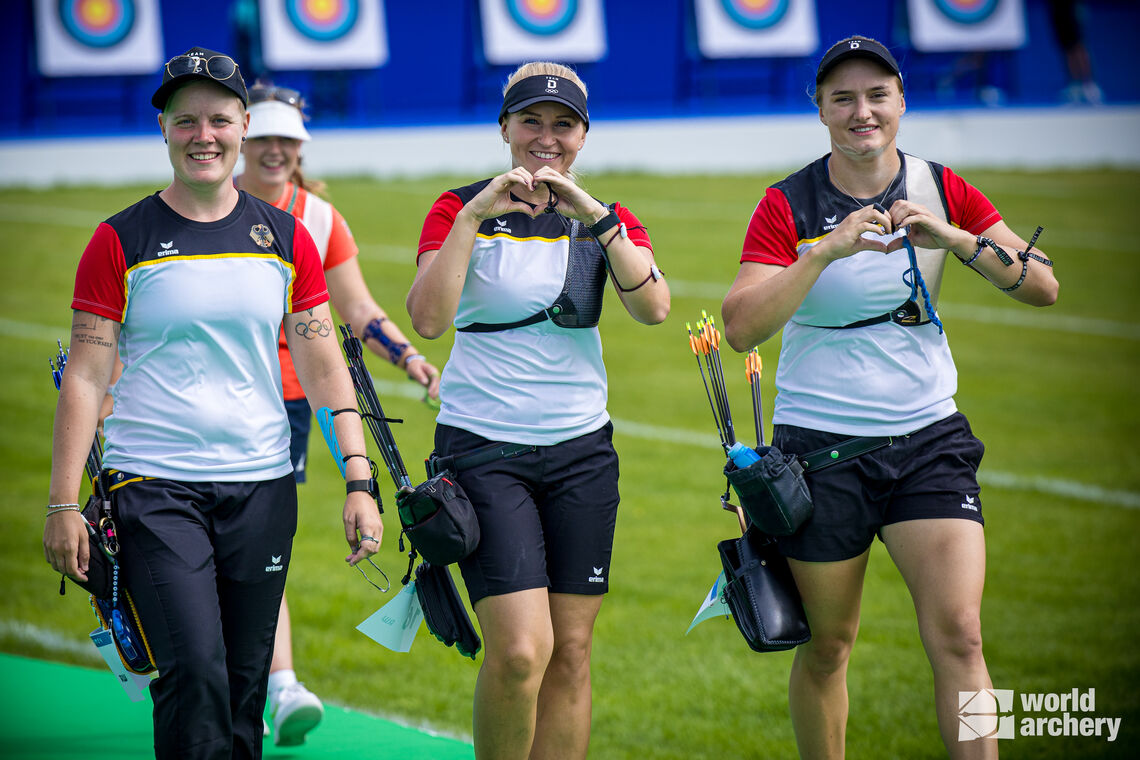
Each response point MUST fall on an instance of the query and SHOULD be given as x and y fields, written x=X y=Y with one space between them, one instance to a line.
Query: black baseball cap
x=545 y=87
x=199 y=63
x=855 y=47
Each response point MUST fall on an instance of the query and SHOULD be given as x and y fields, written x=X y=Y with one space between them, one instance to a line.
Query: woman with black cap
x=846 y=255
x=518 y=263
x=190 y=286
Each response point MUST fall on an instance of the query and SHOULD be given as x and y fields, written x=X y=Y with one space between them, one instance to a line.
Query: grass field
x=1049 y=391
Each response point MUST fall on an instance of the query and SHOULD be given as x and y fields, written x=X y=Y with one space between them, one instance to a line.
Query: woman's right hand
x=847 y=239
x=66 y=546
x=495 y=200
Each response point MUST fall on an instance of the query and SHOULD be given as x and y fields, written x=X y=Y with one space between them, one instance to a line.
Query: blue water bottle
x=742 y=456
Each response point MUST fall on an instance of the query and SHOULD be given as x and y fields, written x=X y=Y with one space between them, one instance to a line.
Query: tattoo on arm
x=314 y=328
x=91 y=329
x=92 y=340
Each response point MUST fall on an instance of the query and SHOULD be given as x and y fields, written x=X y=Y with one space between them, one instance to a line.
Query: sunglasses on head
x=219 y=67
x=261 y=94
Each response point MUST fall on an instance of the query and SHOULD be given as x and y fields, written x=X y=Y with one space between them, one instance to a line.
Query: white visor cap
x=273 y=118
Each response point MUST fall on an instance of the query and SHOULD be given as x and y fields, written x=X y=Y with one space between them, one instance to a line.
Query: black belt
x=476 y=457
x=842 y=451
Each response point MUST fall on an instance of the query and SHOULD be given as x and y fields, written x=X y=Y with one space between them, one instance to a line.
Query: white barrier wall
x=1006 y=138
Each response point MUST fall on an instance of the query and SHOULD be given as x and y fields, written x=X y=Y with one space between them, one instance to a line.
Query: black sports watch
x=369 y=486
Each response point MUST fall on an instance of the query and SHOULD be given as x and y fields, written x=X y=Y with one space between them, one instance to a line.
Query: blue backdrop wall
x=436 y=73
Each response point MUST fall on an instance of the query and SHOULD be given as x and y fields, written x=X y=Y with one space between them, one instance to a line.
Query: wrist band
x=64 y=508
x=414 y=358
x=61 y=506
x=610 y=220
x=373 y=331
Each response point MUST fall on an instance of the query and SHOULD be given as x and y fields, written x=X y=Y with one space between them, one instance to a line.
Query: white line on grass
x=998 y=479
x=11 y=328
x=1017 y=317
x=395 y=254
x=48 y=639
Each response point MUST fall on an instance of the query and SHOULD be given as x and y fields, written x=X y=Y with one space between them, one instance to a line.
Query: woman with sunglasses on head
x=273 y=173
x=189 y=287
x=846 y=256
x=518 y=263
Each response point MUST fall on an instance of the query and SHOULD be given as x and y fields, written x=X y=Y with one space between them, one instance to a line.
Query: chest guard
x=580 y=302
x=926 y=265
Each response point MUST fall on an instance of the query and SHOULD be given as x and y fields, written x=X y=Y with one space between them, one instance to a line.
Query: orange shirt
x=335 y=244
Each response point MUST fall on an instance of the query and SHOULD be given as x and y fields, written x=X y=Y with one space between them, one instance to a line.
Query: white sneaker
x=295 y=711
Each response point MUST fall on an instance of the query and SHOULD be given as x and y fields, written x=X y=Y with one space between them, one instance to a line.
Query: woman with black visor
x=526 y=373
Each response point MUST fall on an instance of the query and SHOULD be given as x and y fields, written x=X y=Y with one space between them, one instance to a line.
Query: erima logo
x=274 y=565
x=502 y=226
x=166 y=250
x=969 y=503
x=831 y=222
x=597 y=576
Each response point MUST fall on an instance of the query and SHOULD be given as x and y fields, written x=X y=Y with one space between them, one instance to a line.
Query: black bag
x=761 y=593
x=100 y=566
x=439 y=519
x=772 y=491
x=444 y=613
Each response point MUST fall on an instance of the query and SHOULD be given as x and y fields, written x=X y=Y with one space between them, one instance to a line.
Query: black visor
x=544 y=87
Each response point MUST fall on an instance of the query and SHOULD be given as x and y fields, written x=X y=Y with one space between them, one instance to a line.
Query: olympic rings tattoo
x=314 y=328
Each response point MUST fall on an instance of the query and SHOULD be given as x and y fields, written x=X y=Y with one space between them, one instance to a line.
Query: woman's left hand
x=363 y=529
x=573 y=201
x=925 y=229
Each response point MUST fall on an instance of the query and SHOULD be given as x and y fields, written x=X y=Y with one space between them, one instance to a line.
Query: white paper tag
x=396 y=624
x=713 y=605
x=133 y=684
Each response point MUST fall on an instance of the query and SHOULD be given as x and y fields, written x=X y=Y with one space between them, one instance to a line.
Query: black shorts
x=300 y=422
x=931 y=473
x=546 y=517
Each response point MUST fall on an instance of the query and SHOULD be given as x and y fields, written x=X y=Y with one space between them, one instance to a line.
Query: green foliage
x=1047 y=390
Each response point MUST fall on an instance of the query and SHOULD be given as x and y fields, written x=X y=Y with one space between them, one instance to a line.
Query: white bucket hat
x=272 y=118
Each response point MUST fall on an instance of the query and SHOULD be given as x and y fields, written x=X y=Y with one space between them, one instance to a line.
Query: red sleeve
x=771 y=237
x=309 y=287
x=101 y=279
x=438 y=223
x=342 y=246
x=969 y=208
x=633 y=226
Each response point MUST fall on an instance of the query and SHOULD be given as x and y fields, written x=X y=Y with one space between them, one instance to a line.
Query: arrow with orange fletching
x=752 y=367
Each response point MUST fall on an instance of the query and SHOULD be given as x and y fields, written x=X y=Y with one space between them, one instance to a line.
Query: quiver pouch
x=761 y=593
x=772 y=491
x=439 y=519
